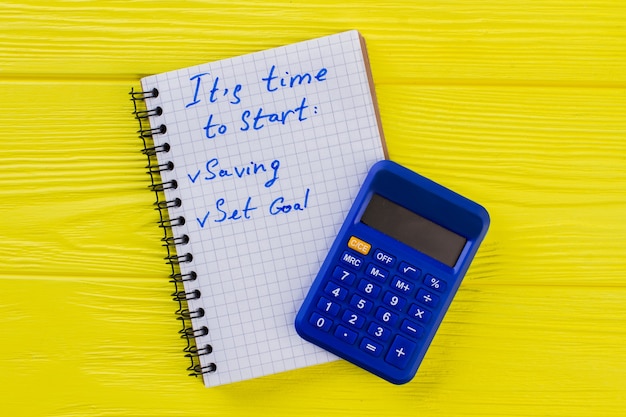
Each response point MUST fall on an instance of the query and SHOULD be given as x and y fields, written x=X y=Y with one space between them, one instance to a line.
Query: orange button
x=359 y=245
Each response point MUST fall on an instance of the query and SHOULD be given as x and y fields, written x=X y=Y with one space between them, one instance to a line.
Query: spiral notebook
x=255 y=161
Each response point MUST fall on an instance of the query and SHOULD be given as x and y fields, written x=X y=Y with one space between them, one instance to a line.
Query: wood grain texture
x=518 y=105
x=521 y=41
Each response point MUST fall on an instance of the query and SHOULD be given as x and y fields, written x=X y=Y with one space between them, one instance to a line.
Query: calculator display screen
x=413 y=230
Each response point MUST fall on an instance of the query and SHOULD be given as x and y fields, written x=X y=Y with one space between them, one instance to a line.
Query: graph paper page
x=269 y=150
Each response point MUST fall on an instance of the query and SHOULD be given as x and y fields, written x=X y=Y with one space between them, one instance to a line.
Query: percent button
x=434 y=283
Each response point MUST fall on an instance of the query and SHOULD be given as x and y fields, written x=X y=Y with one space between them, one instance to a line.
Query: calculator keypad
x=378 y=303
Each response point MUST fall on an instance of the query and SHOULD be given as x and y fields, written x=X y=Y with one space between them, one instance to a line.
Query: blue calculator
x=392 y=272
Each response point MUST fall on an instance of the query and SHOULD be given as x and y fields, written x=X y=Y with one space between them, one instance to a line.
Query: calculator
x=392 y=272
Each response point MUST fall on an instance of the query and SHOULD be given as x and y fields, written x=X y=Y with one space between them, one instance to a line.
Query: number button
x=368 y=288
x=379 y=332
x=336 y=291
x=394 y=301
x=353 y=319
x=361 y=304
x=328 y=306
x=320 y=322
x=386 y=316
x=427 y=298
x=343 y=275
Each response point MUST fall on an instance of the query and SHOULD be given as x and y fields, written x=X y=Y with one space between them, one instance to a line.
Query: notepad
x=256 y=160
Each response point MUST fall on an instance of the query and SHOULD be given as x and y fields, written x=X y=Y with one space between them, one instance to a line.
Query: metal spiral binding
x=171 y=242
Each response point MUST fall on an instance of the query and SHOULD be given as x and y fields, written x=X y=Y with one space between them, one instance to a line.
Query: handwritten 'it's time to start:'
x=258 y=118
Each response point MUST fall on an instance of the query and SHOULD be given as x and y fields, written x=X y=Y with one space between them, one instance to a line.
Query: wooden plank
x=516 y=42
x=518 y=105
x=74 y=185
x=502 y=350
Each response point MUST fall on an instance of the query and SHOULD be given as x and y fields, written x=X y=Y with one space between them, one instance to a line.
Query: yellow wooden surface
x=520 y=105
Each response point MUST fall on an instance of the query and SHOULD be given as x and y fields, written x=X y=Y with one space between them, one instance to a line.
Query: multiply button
x=419 y=313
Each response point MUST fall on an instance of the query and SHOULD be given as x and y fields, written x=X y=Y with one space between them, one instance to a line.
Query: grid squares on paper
x=254 y=272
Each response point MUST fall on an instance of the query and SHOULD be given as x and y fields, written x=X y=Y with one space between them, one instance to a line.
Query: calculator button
x=394 y=301
x=345 y=334
x=343 y=275
x=410 y=328
x=384 y=258
x=376 y=272
x=350 y=259
x=320 y=322
x=427 y=298
x=419 y=313
x=386 y=316
x=353 y=319
x=434 y=283
x=359 y=245
x=336 y=291
x=361 y=304
x=379 y=332
x=400 y=353
x=371 y=347
x=409 y=270
x=327 y=306
x=401 y=285
x=368 y=288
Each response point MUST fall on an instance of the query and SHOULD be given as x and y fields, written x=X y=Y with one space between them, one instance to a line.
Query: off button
x=359 y=245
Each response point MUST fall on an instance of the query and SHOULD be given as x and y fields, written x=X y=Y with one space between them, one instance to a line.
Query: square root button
x=409 y=271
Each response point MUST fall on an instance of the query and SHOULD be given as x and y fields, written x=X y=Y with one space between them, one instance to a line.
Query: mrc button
x=347 y=258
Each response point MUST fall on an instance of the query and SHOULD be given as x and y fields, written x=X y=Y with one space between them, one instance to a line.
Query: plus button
x=401 y=352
